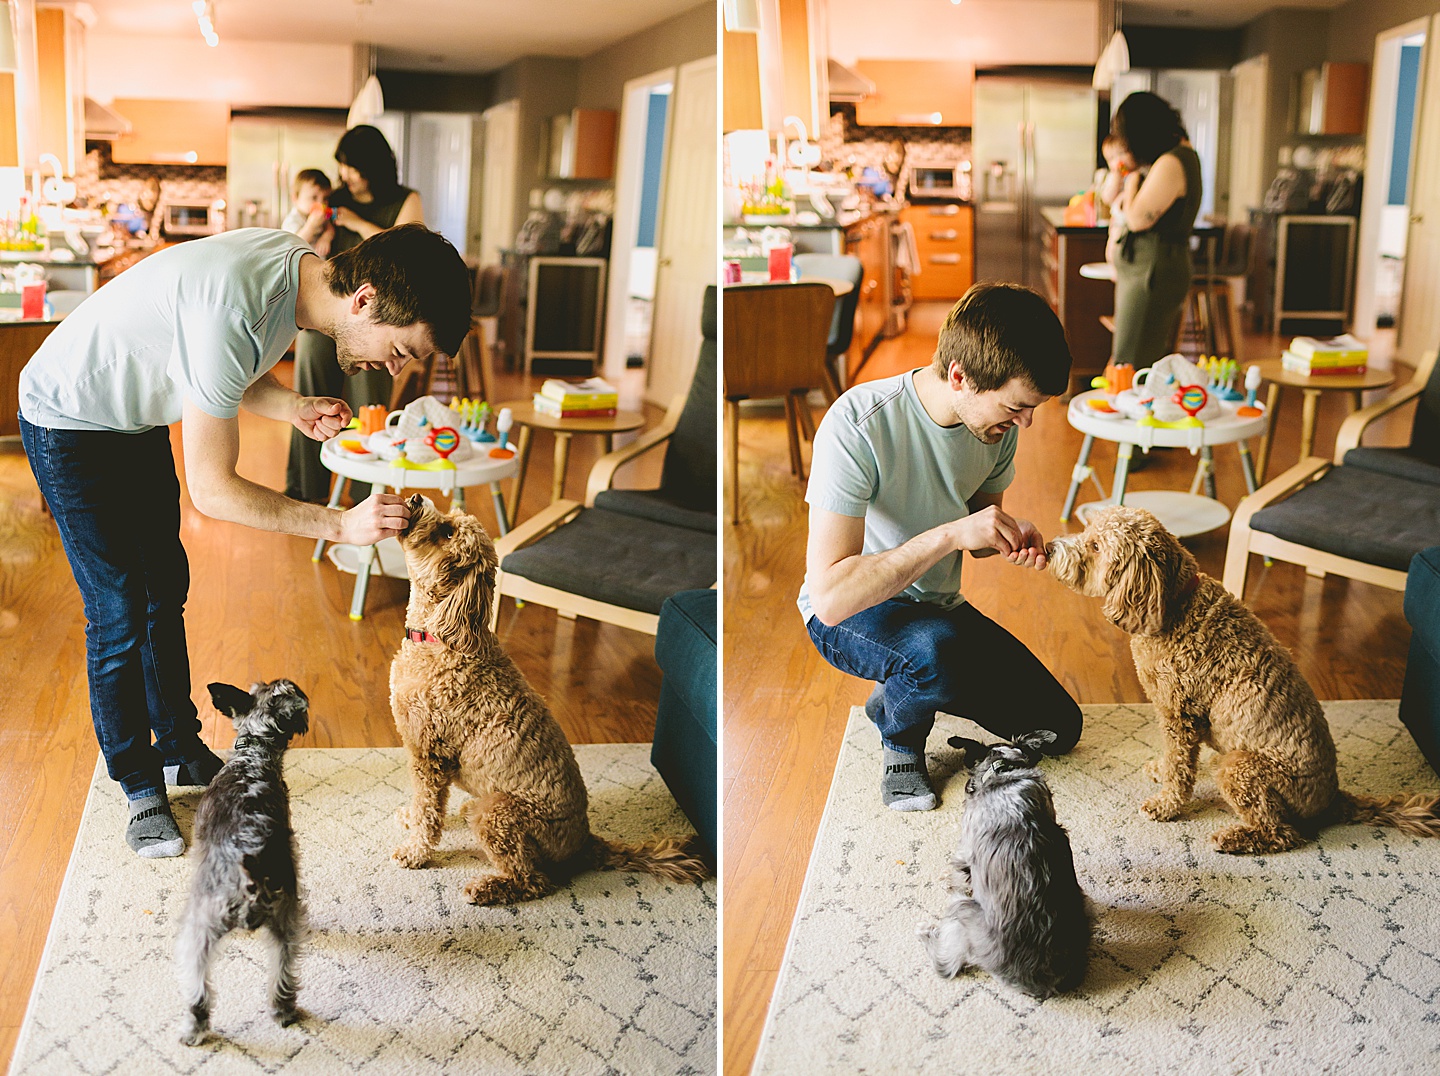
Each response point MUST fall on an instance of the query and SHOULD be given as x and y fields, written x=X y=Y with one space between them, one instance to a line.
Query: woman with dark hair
x=1150 y=228
x=368 y=201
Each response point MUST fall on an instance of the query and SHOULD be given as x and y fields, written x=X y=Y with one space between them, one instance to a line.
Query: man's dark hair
x=364 y=149
x=1000 y=331
x=1148 y=126
x=417 y=276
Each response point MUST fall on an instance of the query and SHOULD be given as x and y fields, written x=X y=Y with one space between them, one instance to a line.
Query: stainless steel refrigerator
x=1034 y=144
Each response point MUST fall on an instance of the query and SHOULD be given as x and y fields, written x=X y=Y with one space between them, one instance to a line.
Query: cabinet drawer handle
x=944 y=259
x=950 y=235
x=944 y=210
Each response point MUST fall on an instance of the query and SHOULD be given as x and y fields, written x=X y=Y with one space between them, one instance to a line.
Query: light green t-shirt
x=201 y=320
x=880 y=455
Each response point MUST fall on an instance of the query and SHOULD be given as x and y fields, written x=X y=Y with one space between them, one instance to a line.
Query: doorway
x=640 y=172
x=1398 y=73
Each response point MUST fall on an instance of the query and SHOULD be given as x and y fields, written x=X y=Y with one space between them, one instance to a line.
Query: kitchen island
x=1079 y=301
x=18 y=341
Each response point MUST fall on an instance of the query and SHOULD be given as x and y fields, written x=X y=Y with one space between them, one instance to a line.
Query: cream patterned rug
x=614 y=973
x=1323 y=959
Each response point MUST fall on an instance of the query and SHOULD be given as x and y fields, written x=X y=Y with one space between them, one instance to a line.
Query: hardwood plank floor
x=785 y=708
x=258 y=609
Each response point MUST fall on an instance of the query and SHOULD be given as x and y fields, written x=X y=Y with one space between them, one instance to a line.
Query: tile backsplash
x=100 y=180
x=846 y=144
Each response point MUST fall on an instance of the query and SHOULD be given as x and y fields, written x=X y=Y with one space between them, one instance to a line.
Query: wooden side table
x=1273 y=371
x=528 y=419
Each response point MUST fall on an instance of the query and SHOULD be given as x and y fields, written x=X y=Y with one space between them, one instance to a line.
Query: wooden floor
x=258 y=609
x=785 y=708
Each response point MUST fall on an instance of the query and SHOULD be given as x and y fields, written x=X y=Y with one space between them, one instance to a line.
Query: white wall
x=984 y=31
x=244 y=73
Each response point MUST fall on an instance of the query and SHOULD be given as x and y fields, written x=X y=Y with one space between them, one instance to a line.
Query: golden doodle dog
x=1217 y=676
x=469 y=718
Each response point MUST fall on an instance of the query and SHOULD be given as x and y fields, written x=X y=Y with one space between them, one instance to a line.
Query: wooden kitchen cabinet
x=60 y=69
x=945 y=243
x=1078 y=301
x=869 y=240
x=916 y=93
x=172 y=132
x=1332 y=99
x=582 y=144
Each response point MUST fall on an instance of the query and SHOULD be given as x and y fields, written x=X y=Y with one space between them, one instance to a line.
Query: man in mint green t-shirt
x=190 y=335
x=908 y=472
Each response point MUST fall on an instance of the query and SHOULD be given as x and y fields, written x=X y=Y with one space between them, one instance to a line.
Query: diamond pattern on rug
x=1322 y=959
x=613 y=973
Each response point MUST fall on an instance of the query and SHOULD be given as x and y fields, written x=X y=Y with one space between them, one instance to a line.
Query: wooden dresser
x=1078 y=300
x=945 y=242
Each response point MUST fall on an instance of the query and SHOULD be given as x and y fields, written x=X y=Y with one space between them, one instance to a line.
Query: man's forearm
x=238 y=500
x=864 y=580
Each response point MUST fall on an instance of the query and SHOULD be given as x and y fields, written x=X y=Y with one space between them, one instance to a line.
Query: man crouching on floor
x=908 y=471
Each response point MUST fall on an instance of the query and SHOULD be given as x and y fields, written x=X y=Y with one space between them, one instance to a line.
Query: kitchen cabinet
x=869 y=240
x=60 y=59
x=1078 y=301
x=1331 y=98
x=172 y=132
x=742 y=110
x=778 y=71
x=19 y=340
x=917 y=93
x=582 y=144
x=945 y=244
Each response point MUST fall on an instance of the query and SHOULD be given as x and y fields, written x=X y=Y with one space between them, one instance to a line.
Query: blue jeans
x=956 y=660
x=116 y=501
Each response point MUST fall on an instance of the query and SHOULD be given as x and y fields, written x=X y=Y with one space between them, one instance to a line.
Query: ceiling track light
x=205 y=16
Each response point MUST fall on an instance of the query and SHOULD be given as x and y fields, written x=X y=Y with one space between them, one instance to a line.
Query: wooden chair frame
x=1245 y=541
x=569 y=605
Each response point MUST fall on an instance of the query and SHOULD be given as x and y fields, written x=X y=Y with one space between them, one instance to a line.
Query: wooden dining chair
x=775 y=346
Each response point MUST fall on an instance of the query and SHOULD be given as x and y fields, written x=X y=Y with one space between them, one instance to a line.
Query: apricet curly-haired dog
x=1217 y=676
x=469 y=718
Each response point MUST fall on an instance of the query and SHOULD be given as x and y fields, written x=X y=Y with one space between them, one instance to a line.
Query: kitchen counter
x=18 y=341
x=1055 y=217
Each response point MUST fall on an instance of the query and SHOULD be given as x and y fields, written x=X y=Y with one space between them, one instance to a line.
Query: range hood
x=103 y=124
x=846 y=85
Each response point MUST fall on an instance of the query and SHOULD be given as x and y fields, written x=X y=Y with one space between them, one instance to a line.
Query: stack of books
x=591 y=398
x=1315 y=357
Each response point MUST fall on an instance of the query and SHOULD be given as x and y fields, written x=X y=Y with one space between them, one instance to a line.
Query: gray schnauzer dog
x=245 y=875
x=1016 y=908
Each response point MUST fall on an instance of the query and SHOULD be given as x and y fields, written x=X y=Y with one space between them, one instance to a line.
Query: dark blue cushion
x=653 y=504
x=623 y=560
x=1364 y=515
x=687 y=477
x=1400 y=462
x=685 y=748
x=1420 y=696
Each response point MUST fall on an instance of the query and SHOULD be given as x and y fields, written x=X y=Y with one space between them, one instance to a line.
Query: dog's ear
x=1033 y=743
x=974 y=750
x=1135 y=574
x=462 y=614
x=230 y=700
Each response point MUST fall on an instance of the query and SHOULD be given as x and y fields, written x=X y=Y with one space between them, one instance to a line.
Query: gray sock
x=875 y=704
x=906 y=783
x=152 y=832
x=198 y=771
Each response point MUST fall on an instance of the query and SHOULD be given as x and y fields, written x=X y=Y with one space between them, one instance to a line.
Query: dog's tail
x=676 y=859
x=1417 y=815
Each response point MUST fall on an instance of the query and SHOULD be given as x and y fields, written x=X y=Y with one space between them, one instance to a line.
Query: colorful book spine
x=1338 y=351
x=546 y=406
x=593 y=392
x=1296 y=364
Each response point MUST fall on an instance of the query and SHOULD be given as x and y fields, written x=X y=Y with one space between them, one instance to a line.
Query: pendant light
x=1115 y=57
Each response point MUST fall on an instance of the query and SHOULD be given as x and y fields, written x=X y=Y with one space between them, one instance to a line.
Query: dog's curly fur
x=469 y=718
x=1217 y=676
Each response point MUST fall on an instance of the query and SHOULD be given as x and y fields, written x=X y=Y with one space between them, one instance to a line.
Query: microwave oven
x=193 y=218
x=939 y=178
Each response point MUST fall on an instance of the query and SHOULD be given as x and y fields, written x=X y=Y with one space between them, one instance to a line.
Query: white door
x=1419 y=313
x=687 y=242
x=629 y=179
x=1247 y=138
x=497 y=202
x=438 y=149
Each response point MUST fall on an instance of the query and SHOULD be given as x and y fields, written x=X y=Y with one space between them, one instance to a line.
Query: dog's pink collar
x=415 y=635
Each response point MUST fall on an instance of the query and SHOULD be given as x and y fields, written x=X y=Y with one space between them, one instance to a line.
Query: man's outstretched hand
x=321 y=417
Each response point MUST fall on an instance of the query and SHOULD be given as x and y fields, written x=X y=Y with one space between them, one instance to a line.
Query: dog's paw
x=1161 y=809
x=1153 y=771
x=491 y=890
x=1253 y=841
x=288 y=1016
x=194 y=1036
x=411 y=856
